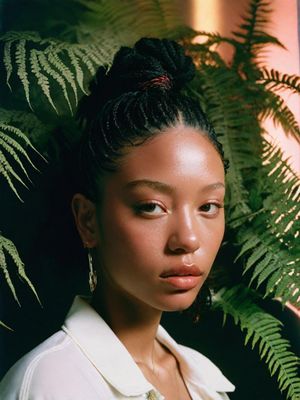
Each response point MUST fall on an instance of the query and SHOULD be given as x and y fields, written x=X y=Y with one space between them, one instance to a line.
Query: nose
x=184 y=236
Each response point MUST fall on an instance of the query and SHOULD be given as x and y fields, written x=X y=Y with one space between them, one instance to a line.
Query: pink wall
x=224 y=15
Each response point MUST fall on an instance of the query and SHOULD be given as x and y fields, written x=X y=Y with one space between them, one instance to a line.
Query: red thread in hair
x=162 y=81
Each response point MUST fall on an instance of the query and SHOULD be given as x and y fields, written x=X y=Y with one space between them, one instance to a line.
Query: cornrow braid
x=138 y=97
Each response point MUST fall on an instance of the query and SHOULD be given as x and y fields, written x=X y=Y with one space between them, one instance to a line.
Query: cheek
x=128 y=238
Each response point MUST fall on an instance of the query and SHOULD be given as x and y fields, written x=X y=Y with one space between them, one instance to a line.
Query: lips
x=183 y=270
x=184 y=277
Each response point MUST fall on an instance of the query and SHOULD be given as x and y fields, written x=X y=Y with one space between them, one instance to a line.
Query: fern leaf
x=77 y=69
x=12 y=251
x=239 y=303
x=275 y=80
x=55 y=60
x=8 y=246
x=20 y=135
x=41 y=78
x=85 y=59
x=13 y=147
x=267 y=242
x=214 y=38
x=250 y=242
x=21 y=63
x=5 y=326
x=255 y=256
x=264 y=267
x=154 y=18
x=4 y=268
x=12 y=152
x=281 y=115
x=230 y=118
x=14 y=144
x=7 y=61
x=57 y=77
x=7 y=171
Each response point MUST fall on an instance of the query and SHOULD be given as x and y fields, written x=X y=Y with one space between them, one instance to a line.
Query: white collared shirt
x=86 y=361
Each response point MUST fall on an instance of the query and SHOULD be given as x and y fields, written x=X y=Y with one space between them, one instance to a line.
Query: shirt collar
x=195 y=367
x=85 y=326
x=111 y=358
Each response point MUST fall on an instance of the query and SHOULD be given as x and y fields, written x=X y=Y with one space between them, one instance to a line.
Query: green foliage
x=46 y=73
x=13 y=144
x=50 y=66
x=264 y=332
x=133 y=19
x=7 y=247
x=277 y=81
x=270 y=241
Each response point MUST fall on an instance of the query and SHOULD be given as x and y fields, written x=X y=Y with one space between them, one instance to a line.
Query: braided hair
x=137 y=98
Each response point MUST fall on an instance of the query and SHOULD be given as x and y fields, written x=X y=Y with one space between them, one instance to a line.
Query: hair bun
x=151 y=63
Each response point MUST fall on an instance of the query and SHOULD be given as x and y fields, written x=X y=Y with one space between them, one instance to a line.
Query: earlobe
x=84 y=212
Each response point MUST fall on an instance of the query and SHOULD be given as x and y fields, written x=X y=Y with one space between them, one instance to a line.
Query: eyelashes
x=211 y=208
x=150 y=208
x=153 y=209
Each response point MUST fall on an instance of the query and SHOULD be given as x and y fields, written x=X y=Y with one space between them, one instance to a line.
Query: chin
x=179 y=302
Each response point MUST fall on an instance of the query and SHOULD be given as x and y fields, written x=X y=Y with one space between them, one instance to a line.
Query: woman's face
x=161 y=220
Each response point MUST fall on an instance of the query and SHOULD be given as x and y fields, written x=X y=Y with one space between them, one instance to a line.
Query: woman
x=150 y=212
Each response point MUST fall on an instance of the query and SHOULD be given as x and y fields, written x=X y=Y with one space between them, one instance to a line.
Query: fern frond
x=263 y=331
x=7 y=61
x=277 y=81
x=134 y=19
x=214 y=38
x=55 y=61
x=8 y=145
x=44 y=63
x=77 y=68
x=81 y=54
x=252 y=29
x=42 y=80
x=5 y=326
x=21 y=71
x=27 y=130
x=268 y=240
x=276 y=108
x=253 y=37
x=7 y=246
x=229 y=114
x=4 y=268
x=8 y=173
x=12 y=147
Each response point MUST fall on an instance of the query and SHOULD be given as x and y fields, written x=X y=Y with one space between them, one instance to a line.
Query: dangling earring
x=92 y=272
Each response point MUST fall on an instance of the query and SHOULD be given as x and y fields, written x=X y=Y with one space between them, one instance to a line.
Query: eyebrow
x=167 y=189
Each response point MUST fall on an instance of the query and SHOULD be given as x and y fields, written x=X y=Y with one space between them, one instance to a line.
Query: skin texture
x=163 y=209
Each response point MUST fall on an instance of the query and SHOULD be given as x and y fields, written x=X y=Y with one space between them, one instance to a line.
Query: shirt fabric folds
x=85 y=360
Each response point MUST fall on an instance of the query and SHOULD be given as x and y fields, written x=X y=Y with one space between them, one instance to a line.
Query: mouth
x=184 y=277
x=182 y=270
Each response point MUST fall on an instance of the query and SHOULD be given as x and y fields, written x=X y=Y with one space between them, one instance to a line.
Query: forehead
x=179 y=156
x=185 y=148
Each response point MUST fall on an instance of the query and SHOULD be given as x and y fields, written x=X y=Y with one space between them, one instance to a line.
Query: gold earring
x=92 y=273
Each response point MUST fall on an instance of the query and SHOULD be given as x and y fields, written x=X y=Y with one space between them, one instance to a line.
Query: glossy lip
x=184 y=277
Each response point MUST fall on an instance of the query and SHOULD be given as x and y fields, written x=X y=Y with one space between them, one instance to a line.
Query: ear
x=85 y=216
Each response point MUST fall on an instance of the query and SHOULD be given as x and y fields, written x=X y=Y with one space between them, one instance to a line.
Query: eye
x=211 y=209
x=151 y=208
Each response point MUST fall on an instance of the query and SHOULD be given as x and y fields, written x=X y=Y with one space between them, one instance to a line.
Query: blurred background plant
x=47 y=63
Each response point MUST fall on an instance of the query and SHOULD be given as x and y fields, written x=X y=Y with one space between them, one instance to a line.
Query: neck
x=135 y=323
